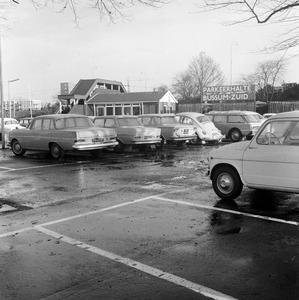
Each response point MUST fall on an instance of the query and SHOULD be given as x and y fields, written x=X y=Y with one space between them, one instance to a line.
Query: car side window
x=46 y=124
x=220 y=119
x=274 y=133
x=187 y=120
x=59 y=124
x=146 y=121
x=37 y=125
x=99 y=122
x=110 y=123
x=293 y=135
x=235 y=119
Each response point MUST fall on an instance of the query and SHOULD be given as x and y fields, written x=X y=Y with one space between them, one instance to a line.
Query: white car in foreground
x=270 y=161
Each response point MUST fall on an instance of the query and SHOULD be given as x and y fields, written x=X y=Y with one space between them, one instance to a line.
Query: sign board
x=228 y=93
x=64 y=88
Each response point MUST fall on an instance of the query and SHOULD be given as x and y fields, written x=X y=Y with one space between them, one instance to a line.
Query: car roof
x=60 y=116
x=289 y=114
x=194 y=114
x=9 y=119
x=116 y=117
x=231 y=112
x=157 y=115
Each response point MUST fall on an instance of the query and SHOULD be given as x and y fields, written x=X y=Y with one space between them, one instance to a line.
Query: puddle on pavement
x=224 y=222
x=7 y=207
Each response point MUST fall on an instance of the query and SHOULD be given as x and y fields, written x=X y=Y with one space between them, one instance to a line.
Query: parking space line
x=205 y=291
x=230 y=211
x=85 y=214
x=7 y=169
x=43 y=166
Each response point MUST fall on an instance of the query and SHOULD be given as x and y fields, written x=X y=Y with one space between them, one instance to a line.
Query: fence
x=272 y=107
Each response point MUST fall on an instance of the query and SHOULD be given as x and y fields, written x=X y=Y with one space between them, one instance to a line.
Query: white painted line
x=45 y=166
x=139 y=266
x=7 y=169
x=229 y=211
x=86 y=214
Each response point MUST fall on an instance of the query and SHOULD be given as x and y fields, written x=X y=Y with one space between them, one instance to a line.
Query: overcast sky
x=43 y=48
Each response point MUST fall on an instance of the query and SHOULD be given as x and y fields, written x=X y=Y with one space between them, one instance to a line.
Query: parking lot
x=140 y=226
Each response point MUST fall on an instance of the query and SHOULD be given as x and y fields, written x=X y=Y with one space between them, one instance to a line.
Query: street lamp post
x=9 y=97
x=231 y=60
x=145 y=80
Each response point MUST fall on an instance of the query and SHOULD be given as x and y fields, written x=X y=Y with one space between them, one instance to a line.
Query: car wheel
x=235 y=135
x=17 y=149
x=57 y=151
x=195 y=140
x=227 y=183
x=120 y=148
x=95 y=153
x=161 y=144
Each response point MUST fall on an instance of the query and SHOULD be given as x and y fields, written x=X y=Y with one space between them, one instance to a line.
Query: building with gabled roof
x=99 y=97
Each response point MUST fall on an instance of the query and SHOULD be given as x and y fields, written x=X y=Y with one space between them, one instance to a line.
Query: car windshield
x=129 y=122
x=9 y=122
x=168 y=120
x=73 y=122
x=203 y=119
x=252 y=118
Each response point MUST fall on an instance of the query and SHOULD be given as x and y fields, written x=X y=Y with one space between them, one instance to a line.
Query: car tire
x=227 y=183
x=17 y=149
x=57 y=151
x=120 y=148
x=161 y=144
x=235 y=135
x=196 y=140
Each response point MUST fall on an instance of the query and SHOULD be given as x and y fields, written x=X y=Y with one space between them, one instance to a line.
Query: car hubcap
x=17 y=148
x=225 y=183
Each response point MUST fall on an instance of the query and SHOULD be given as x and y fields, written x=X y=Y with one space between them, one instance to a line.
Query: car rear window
x=203 y=119
x=129 y=122
x=252 y=119
x=168 y=120
x=73 y=122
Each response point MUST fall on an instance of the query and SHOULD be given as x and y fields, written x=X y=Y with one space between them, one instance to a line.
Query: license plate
x=186 y=131
x=98 y=140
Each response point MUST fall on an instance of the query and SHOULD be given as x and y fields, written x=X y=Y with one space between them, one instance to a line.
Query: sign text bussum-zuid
x=228 y=93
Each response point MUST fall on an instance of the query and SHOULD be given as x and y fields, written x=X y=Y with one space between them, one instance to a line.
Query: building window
x=127 y=109
x=109 y=110
x=100 y=111
x=118 y=109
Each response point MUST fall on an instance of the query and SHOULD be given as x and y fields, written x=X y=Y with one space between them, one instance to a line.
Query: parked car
x=9 y=124
x=171 y=130
x=268 y=115
x=25 y=121
x=206 y=132
x=236 y=125
x=269 y=161
x=60 y=134
x=130 y=132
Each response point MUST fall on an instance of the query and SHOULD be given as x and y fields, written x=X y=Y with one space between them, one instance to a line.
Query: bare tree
x=266 y=75
x=183 y=85
x=205 y=72
x=202 y=71
x=107 y=9
x=264 y=11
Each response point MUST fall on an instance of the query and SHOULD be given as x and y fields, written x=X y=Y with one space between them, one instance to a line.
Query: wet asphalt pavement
x=140 y=226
